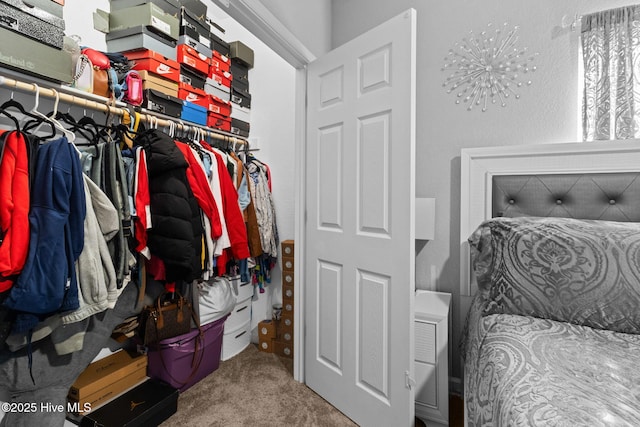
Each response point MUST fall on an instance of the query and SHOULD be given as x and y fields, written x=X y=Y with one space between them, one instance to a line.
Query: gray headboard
x=599 y=180
x=602 y=196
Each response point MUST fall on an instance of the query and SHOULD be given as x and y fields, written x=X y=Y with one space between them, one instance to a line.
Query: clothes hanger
x=36 y=119
x=67 y=118
x=71 y=137
x=100 y=131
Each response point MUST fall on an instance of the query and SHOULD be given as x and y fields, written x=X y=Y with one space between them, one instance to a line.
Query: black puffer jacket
x=176 y=233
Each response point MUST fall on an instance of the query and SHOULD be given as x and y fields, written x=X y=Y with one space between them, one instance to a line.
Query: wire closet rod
x=99 y=106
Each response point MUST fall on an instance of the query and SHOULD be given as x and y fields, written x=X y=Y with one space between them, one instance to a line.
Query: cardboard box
x=191 y=77
x=49 y=6
x=287 y=247
x=238 y=127
x=242 y=53
x=285 y=331
x=156 y=63
x=197 y=96
x=265 y=345
x=147 y=14
x=286 y=336
x=267 y=329
x=288 y=263
x=219 y=62
x=201 y=48
x=106 y=371
x=162 y=103
x=217 y=121
x=32 y=22
x=220 y=106
x=239 y=70
x=243 y=100
x=194 y=113
x=221 y=78
x=218 y=44
x=152 y=82
x=196 y=7
x=140 y=38
x=287 y=278
x=287 y=308
x=172 y=7
x=99 y=398
x=148 y=404
x=286 y=320
x=193 y=26
x=190 y=57
x=287 y=292
x=222 y=92
x=241 y=113
x=34 y=58
x=240 y=85
x=284 y=349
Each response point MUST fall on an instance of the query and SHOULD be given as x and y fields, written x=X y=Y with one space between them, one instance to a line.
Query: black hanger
x=36 y=120
x=15 y=121
x=85 y=132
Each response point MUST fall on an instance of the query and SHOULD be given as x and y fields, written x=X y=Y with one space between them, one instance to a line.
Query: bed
x=552 y=337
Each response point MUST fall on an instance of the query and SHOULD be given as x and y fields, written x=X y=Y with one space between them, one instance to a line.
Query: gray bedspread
x=526 y=371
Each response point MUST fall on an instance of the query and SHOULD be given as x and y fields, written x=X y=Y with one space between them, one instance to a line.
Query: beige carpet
x=254 y=389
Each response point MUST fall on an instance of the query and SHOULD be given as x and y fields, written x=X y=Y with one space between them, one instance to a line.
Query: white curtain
x=611 y=53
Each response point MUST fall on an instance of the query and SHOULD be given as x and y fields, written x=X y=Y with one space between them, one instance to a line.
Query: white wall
x=309 y=20
x=272 y=86
x=548 y=111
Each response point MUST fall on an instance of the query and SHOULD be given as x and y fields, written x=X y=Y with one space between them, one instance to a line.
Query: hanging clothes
x=47 y=283
x=177 y=231
x=14 y=207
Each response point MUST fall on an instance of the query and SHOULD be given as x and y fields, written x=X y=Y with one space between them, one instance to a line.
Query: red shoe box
x=221 y=79
x=220 y=106
x=220 y=63
x=217 y=121
x=192 y=94
x=191 y=58
x=155 y=63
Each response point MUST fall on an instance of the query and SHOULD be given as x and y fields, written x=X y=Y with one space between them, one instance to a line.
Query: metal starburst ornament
x=488 y=68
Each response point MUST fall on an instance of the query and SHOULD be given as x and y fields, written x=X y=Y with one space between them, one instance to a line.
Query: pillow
x=584 y=272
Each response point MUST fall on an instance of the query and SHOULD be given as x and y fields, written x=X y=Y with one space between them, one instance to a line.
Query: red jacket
x=14 y=208
x=232 y=214
x=201 y=190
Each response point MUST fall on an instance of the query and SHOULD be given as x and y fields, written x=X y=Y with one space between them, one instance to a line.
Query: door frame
x=260 y=21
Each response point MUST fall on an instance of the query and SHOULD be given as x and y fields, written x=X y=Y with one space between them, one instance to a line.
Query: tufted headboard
x=601 y=196
x=590 y=180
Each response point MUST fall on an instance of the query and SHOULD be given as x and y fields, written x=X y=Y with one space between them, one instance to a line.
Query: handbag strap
x=199 y=348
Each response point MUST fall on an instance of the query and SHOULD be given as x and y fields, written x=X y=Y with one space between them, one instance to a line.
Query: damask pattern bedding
x=525 y=371
x=553 y=336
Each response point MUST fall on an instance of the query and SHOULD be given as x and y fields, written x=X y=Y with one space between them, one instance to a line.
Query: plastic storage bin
x=172 y=359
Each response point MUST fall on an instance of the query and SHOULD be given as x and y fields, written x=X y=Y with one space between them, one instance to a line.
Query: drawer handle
x=241 y=334
x=244 y=284
x=243 y=308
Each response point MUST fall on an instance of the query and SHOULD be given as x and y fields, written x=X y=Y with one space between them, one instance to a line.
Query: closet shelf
x=98 y=103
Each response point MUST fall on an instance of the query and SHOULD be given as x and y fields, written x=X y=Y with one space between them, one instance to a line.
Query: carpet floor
x=257 y=389
x=254 y=389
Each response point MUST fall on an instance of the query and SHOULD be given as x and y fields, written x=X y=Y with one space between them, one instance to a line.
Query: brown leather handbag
x=101 y=82
x=167 y=318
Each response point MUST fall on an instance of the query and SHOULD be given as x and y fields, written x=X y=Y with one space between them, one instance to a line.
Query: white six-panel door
x=360 y=249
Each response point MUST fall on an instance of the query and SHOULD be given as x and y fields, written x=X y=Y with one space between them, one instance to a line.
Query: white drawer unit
x=245 y=290
x=432 y=357
x=234 y=341
x=239 y=316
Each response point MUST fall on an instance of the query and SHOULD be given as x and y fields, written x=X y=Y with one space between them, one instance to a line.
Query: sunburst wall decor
x=488 y=68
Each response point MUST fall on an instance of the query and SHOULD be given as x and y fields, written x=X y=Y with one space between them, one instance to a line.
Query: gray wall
x=547 y=112
x=309 y=20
